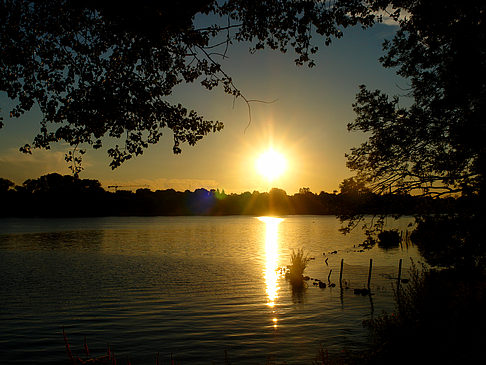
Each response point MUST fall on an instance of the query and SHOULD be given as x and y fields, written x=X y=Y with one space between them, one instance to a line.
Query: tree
x=278 y=202
x=353 y=187
x=436 y=145
x=61 y=184
x=100 y=69
x=304 y=191
x=5 y=185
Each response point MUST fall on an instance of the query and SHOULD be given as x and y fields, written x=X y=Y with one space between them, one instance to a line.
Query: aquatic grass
x=298 y=263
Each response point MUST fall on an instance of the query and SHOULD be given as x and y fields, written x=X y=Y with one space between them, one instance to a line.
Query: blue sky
x=306 y=123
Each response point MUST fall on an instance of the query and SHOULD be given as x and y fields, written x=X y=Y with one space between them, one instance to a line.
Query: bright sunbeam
x=271 y=164
x=271 y=253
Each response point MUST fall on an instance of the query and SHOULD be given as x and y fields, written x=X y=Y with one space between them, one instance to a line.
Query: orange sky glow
x=305 y=122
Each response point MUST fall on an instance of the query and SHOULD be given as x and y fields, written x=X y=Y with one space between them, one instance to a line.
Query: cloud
x=162 y=184
x=18 y=167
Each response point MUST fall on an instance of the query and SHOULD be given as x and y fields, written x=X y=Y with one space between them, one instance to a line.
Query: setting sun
x=271 y=164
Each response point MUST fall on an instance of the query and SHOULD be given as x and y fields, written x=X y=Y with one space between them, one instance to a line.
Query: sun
x=271 y=164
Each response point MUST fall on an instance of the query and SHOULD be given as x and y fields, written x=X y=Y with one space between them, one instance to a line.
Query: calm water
x=190 y=286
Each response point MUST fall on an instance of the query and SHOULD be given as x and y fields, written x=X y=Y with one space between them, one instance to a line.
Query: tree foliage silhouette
x=105 y=69
x=6 y=185
x=65 y=195
x=436 y=145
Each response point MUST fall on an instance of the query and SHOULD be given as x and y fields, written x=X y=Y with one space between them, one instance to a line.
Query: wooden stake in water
x=369 y=273
x=341 y=274
x=400 y=271
x=399 y=277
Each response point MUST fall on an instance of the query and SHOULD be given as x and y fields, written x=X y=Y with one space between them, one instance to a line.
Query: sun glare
x=271 y=253
x=271 y=164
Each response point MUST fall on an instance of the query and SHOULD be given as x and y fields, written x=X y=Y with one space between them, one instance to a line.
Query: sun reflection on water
x=271 y=254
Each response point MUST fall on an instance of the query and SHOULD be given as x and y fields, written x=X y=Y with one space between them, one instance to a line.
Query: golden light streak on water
x=271 y=254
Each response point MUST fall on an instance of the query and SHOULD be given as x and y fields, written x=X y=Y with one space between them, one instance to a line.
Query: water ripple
x=190 y=286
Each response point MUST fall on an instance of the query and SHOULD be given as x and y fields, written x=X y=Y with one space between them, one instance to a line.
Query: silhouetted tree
x=436 y=145
x=5 y=185
x=305 y=202
x=8 y=198
x=105 y=68
x=353 y=187
x=279 y=202
x=56 y=183
x=64 y=195
x=304 y=191
x=201 y=202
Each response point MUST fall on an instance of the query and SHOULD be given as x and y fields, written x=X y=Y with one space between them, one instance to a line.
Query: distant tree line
x=54 y=195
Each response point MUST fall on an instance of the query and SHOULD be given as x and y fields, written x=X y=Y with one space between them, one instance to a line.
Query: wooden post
x=341 y=274
x=399 y=276
x=369 y=273
x=399 y=273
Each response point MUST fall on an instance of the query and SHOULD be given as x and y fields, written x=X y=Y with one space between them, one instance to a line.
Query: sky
x=306 y=123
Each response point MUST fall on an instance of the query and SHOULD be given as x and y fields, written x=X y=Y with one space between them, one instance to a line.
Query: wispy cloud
x=162 y=184
x=18 y=167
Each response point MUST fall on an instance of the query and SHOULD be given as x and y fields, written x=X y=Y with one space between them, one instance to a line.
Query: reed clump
x=298 y=263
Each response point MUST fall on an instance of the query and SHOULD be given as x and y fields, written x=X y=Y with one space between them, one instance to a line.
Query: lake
x=193 y=287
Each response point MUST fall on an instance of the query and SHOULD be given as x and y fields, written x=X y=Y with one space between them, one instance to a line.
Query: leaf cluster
x=435 y=146
x=102 y=70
